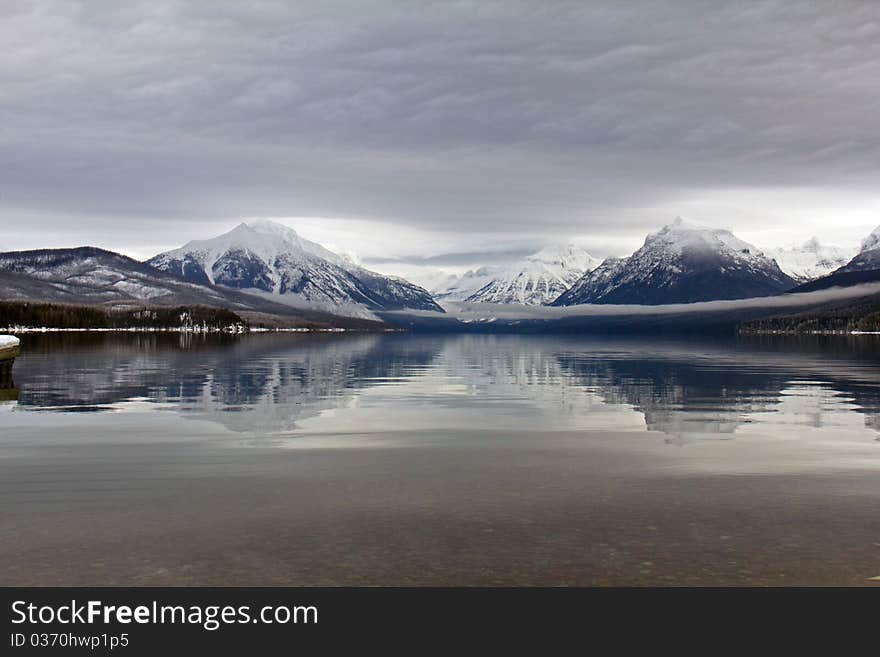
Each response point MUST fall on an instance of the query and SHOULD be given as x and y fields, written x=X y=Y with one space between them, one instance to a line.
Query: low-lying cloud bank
x=469 y=312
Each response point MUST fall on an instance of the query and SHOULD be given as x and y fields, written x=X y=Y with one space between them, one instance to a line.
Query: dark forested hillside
x=27 y=314
x=842 y=316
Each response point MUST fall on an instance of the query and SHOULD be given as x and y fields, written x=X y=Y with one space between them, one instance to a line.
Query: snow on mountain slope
x=594 y=284
x=810 y=260
x=272 y=260
x=95 y=275
x=682 y=263
x=868 y=258
x=540 y=279
x=88 y=275
x=872 y=241
x=459 y=288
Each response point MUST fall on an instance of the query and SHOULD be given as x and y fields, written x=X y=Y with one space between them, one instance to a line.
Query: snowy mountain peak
x=810 y=260
x=268 y=258
x=271 y=227
x=812 y=245
x=681 y=236
x=868 y=258
x=567 y=256
x=681 y=263
x=458 y=288
x=872 y=241
x=537 y=279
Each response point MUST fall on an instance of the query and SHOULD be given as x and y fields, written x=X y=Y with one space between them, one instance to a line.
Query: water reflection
x=687 y=390
x=281 y=384
x=8 y=391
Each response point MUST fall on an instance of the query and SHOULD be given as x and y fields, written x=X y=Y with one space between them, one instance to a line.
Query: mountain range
x=537 y=280
x=88 y=276
x=810 y=260
x=458 y=288
x=266 y=268
x=864 y=267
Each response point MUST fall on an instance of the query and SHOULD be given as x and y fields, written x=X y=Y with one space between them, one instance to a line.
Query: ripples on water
x=282 y=385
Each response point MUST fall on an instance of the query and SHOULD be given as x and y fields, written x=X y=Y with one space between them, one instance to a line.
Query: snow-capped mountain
x=89 y=276
x=271 y=260
x=92 y=275
x=810 y=260
x=540 y=279
x=868 y=257
x=459 y=288
x=681 y=263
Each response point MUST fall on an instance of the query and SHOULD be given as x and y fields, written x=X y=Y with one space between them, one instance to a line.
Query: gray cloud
x=516 y=118
x=463 y=259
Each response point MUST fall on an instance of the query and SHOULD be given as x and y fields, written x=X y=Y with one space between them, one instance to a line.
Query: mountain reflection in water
x=266 y=385
x=368 y=459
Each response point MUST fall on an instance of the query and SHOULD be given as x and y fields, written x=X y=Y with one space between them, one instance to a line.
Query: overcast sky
x=419 y=134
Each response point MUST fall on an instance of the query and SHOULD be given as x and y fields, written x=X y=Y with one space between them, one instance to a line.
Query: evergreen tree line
x=36 y=315
x=858 y=316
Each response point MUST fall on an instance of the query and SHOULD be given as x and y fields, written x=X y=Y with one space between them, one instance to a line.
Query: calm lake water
x=283 y=459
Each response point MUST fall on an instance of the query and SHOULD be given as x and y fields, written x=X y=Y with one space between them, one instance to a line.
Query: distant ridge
x=539 y=279
x=810 y=260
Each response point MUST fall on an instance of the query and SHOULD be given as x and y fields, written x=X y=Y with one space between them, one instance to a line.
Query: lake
x=394 y=459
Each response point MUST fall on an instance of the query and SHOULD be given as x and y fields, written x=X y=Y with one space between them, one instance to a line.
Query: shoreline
x=240 y=330
x=781 y=332
x=18 y=330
